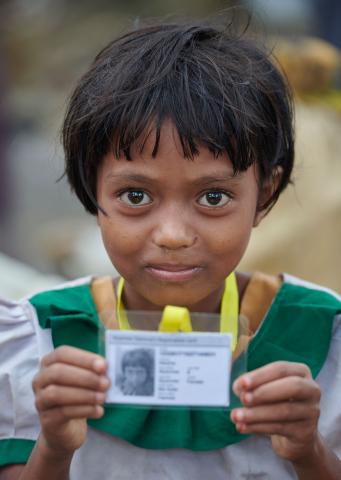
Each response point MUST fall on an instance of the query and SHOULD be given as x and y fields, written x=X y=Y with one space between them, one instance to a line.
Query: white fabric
x=19 y=361
x=23 y=343
x=329 y=380
x=60 y=286
x=113 y=459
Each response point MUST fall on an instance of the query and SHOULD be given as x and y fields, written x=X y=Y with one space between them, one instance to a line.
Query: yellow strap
x=229 y=311
x=177 y=319
x=121 y=313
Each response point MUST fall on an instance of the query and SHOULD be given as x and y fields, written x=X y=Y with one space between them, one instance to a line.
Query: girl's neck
x=243 y=280
x=211 y=304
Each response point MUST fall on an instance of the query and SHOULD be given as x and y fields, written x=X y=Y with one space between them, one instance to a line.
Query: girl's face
x=135 y=376
x=175 y=227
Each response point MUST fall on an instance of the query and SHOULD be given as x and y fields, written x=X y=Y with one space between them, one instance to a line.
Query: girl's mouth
x=173 y=273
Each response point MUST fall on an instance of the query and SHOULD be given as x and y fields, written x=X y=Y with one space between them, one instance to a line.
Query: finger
x=77 y=357
x=294 y=430
x=289 y=388
x=58 y=415
x=55 y=395
x=280 y=412
x=268 y=373
x=68 y=375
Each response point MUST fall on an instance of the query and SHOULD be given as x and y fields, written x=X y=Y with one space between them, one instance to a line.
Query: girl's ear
x=266 y=191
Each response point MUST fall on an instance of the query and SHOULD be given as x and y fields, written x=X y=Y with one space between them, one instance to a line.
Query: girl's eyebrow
x=203 y=180
x=208 y=179
x=135 y=177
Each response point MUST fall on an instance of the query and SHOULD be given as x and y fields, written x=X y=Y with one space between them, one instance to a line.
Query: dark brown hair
x=218 y=88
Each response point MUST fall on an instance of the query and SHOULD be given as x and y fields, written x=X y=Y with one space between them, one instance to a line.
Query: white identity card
x=174 y=369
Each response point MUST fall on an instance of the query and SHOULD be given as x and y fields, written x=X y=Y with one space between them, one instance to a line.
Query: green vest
x=297 y=328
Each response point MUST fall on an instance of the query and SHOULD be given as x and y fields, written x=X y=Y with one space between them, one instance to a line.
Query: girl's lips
x=173 y=273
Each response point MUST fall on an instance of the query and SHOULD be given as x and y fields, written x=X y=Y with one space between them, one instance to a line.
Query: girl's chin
x=159 y=300
x=143 y=294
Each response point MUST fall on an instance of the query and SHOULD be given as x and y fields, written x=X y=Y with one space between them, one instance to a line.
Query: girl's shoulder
x=26 y=317
x=25 y=325
x=318 y=306
x=25 y=337
x=294 y=321
x=73 y=295
x=304 y=289
x=21 y=348
x=262 y=293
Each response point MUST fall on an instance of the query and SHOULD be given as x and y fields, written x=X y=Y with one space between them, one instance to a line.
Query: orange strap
x=258 y=296
x=104 y=296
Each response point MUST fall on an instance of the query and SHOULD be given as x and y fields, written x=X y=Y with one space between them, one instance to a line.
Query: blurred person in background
x=328 y=24
x=328 y=19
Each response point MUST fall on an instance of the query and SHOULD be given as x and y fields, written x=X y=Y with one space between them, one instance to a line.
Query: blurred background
x=45 y=45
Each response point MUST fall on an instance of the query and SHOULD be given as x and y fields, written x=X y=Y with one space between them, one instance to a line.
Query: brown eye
x=214 y=198
x=135 y=198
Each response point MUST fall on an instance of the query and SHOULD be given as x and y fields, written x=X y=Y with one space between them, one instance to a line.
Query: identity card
x=168 y=369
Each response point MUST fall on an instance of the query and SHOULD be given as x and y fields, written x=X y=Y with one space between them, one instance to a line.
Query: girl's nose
x=173 y=232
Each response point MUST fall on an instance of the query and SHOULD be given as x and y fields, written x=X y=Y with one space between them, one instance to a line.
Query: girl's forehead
x=169 y=163
x=154 y=141
x=168 y=157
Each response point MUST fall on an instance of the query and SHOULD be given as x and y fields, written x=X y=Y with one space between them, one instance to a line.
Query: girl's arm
x=41 y=465
x=69 y=388
x=11 y=472
x=283 y=401
x=322 y=463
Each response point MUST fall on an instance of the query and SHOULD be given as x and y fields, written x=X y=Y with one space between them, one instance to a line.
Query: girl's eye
x=135 y=197
x=214 y=198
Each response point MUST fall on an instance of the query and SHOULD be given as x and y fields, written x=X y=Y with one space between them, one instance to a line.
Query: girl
x=179 y=139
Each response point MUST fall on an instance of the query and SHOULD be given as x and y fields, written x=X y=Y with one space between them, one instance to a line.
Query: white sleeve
x=329 y=380
x=22 y=344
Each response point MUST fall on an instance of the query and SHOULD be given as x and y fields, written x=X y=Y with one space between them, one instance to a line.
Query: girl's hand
x=69 y=388
x=281 y=400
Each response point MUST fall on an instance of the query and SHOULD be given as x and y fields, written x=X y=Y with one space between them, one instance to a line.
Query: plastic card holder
x=156 y=370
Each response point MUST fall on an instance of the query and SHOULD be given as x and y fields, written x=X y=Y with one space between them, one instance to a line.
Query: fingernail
x=104 y=382
x=240 y=384
x=241 y=427
x=236 y=388
x=247 y=381
x=248 y=397
x=239 y=415
x=99 y=411
x=99 y=363
x=100 y=397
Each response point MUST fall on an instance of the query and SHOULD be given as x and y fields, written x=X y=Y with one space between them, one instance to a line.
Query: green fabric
x=297 y=328
x=71 y=315
x=15 y=451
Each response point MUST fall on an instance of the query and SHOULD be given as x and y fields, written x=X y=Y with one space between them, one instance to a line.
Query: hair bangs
x=200 y=119
x=220 y=91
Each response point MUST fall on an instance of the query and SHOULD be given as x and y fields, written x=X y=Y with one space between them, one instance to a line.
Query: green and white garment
x=302 y=324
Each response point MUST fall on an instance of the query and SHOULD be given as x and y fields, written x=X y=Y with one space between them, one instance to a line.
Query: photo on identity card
x=135 y=371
